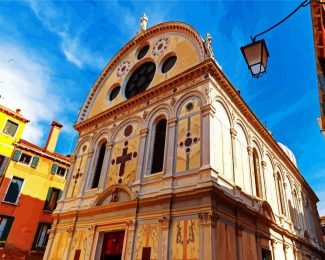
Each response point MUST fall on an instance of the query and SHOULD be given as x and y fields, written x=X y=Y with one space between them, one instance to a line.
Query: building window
x=266 y=254
x=10 y=128
x=58 y=170
x=14 y=190
x=157 y=163
x=5 y=226
x=3 y=163
x=42 y=235
x=99 y=165
x=146 y=253
x=52 y=197
x=25 y=158
x=257 y=174
x=61 y=171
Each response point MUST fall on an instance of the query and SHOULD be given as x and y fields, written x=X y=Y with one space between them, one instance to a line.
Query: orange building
x=318 y=19
x=32 y=185
x=322 y=222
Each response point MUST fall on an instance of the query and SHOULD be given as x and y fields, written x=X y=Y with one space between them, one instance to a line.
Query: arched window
x=279 y=187
x=257 y=174
x=157 y=162
x=99 y=165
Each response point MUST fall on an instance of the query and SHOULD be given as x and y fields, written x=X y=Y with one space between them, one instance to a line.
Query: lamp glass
x=256 y=56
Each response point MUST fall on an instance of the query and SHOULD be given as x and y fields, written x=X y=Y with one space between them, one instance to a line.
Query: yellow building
x=12 y=125
x=32 y=184
x=172 y=164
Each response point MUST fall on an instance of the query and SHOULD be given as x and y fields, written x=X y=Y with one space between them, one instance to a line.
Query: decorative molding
x=208 y=218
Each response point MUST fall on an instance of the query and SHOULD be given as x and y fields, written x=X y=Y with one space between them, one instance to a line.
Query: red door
x=112 y=246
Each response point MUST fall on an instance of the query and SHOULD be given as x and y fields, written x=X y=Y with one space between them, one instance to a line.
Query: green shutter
x=60 y=194
x=54 y=168
x=48 y=197
x=16 y=155
x=7 y=228
x=34 y=162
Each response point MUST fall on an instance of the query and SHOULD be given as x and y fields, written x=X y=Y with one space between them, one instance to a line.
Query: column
x=164 y=239
x=86 y=172
x=258 y=237
x=104 y=172
x=170 y=151
x=239 y=241
x=50 y=240
x=90 y=241
x=207 y=113
x=69 y=250
x=130 y=240
x=273 y=244
x=233 y=134
x=285 y=249
x=141 y=155
x=264 y=186
x=251 y=168
x=208 y=240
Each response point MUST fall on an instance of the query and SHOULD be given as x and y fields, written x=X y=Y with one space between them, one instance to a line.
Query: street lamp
x=256 y=55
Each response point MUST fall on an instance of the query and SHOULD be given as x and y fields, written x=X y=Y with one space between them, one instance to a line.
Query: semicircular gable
x=164 y=40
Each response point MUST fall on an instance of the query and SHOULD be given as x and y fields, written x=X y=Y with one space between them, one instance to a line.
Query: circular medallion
x=127 y=132
x=160 y=46
x=123 y=68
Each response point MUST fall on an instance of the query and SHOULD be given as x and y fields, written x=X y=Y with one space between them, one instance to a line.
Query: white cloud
x=58 y=22
x=25 y=83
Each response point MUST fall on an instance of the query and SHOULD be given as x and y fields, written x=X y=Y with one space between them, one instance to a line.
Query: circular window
x=140 y=79
x=168 y=64
x=114 y=93
x=143 y=52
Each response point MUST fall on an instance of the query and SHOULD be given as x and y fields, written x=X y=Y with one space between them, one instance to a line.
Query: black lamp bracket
x=303 y=4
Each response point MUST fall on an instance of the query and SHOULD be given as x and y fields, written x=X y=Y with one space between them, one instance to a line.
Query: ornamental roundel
x=123 y=68
x=160 y=46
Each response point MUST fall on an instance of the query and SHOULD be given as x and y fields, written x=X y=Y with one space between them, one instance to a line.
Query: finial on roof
x=143 y=23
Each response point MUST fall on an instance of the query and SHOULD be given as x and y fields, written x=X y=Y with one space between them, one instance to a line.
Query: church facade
x=172 y=164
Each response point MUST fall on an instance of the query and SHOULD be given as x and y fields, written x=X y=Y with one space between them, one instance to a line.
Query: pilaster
x=106 y=164
x=130 y=230
x=251 y=170
x=170 y=151
x=233 y=134
x=208 y=236
x=239 y=241
x=141 y=153
x=163 y=244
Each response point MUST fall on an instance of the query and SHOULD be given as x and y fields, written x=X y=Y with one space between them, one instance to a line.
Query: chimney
x=53 y=137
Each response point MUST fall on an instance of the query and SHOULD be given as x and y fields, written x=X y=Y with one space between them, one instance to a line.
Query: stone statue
x=143 y=23
x=208 y=46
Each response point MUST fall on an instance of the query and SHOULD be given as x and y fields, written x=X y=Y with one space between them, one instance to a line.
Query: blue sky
x=52 y=52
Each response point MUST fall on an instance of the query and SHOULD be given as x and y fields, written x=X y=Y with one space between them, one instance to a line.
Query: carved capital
x=131 y=224
x=208 y=217
x=164 y=221
x=91 y=228
x=70 y=231
x=172 y=122
x=239 y=229
x=109 y=145
x=143 y=132
x=285 y=246
x=263 y=164
x=250 y=150
x=208 y=109
x=285 y=185
x=233 y=132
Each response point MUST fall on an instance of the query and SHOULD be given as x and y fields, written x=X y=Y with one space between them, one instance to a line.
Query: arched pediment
x=164 y=40
x=113 y=194
x=266 y=211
